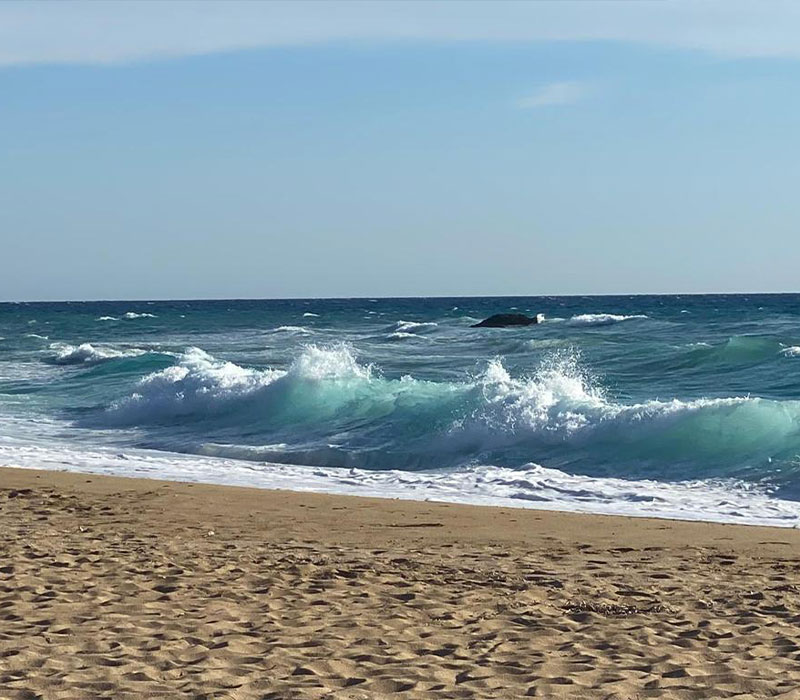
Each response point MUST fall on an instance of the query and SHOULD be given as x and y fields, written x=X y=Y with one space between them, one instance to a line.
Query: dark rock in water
x=503 y=320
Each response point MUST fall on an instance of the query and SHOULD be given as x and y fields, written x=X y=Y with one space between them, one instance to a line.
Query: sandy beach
x=125 y=588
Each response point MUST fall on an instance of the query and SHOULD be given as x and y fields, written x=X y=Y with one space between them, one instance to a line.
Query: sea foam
x=86 y=353
x=410 y=423
x=602 y=319
x=409 y=326
x=533 y=486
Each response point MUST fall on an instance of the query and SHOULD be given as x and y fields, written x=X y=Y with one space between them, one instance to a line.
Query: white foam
x=308 y=314
x=87 y=353
x=793 y=351
x=602 y=319
x=559 y=403
x=318 y=363
x=408 y=326
x=134 y=314
x=400 y=335
x=199 y=382
x=292 y=329
x=533 y=486
x=202 y=384
x=107 y=318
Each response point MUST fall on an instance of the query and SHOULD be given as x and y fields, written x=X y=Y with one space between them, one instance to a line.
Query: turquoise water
x=685 y=406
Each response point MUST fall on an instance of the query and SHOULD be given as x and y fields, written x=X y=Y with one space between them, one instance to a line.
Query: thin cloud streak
x=555 y=94
x=128 y=30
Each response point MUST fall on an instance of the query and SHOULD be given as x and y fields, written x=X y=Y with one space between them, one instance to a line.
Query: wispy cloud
x=553 y=94
x=57 y=31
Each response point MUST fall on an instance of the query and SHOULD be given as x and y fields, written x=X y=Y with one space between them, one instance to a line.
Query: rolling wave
x=328 y=409
x=409 y=326
x=691 y=414
x=402 y=335
x=292 y=329
x=602 y=319
x=86 y=353
x=742 y=350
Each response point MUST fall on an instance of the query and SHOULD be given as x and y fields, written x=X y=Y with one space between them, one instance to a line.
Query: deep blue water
x=674 y=405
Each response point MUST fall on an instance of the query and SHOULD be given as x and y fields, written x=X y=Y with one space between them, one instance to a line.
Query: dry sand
x=124 y=588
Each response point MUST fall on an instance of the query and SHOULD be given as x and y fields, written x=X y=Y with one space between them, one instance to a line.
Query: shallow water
x=650 y=405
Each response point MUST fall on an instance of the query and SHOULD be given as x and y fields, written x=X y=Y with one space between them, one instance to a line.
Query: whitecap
x=602 y=319
x=408 y=326
x=86 y=353
x=201 y=384
x=292 y=329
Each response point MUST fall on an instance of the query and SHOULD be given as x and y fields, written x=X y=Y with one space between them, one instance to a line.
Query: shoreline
x=123 y=587
x=556 y=492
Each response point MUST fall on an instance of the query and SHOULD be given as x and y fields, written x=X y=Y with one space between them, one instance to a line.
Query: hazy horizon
x=382 y=297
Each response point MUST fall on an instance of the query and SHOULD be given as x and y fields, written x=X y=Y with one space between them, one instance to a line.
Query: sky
x=320 y=149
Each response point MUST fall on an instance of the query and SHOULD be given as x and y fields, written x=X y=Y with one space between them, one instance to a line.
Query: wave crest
x=86 y=353
x=204 y=386
x=602 y=319
x=292 y=329
x=329 y=409
x=409 y=326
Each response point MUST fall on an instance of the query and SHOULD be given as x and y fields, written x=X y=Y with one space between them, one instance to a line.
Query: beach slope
x=125 y=588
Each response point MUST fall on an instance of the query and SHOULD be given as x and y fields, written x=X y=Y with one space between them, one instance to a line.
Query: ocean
x=666 y=406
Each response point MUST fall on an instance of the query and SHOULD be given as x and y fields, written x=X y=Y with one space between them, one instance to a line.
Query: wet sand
x=127 y=588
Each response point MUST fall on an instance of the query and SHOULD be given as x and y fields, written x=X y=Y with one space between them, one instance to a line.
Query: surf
x=330 y=409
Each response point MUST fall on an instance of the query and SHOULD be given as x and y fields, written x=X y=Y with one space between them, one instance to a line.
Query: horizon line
x=390 y=298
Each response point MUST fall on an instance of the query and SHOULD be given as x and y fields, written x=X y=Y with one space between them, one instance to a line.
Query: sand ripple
x=121 y=589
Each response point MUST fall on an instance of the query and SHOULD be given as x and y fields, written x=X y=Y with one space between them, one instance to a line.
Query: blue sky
x=182 y=150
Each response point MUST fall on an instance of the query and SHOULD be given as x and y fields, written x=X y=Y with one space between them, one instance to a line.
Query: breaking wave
x=534 y=486
x=409 y=326
x=292 y=329
x=602 y=319
x=328 y=409
x=86 y=353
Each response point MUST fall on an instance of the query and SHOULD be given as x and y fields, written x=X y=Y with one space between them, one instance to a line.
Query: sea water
x=674 y=406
